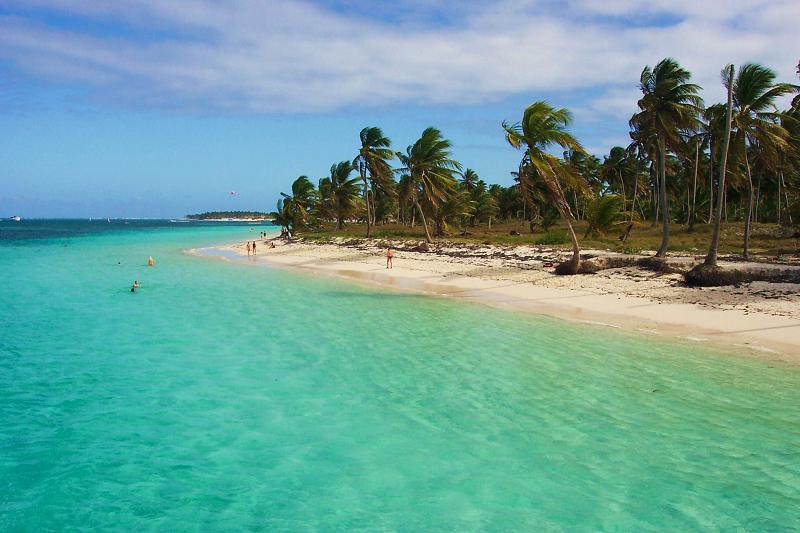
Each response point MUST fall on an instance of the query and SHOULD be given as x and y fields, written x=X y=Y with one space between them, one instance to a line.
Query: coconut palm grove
x=692 y=167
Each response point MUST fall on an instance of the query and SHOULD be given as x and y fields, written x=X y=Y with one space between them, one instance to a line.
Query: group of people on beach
x=251 y=248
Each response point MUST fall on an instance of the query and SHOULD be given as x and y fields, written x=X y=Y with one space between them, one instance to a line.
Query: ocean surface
x=224 y=396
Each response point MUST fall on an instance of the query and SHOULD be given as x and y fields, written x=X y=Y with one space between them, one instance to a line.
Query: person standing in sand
x=389 y=256
x=248 y=248
x=254 y=247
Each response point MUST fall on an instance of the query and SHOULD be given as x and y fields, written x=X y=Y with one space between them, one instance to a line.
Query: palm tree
x=471 y=184
x=431 y=172
x=604 y=213
x=486 y=207
x=372 y=163
x=298 y=204
x=756 y=120
x=640 y=154
x=711 y=257
x=543 y=126
x=669 y=105
x=342 y=192
x=614 y=166
x=469 y=180
x=283 y=216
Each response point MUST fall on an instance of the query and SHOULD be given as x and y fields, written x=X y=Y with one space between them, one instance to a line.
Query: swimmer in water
x=151 y=261
x=136 y=284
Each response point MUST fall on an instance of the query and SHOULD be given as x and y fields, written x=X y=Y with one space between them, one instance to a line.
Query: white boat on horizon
x=16 y=218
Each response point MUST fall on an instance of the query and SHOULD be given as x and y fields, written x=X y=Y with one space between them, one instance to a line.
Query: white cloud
x=282 y=56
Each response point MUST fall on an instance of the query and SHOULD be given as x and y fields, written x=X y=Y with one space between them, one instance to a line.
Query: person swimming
x=136 y=284
x=151 y=261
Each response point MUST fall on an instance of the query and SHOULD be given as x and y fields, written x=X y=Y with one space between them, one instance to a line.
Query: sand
x=762 y=317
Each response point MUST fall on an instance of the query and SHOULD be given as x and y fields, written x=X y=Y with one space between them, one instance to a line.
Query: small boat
x=16 y=218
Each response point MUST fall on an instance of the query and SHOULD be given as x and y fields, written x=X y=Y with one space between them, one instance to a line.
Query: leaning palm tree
x=299 y=204
x=342 y=192
x=431 y=172
x=669 y=105
x=542 y=127
x=756 y=120
x=372 y=163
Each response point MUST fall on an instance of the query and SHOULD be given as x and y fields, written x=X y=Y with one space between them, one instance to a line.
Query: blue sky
x=145 y=108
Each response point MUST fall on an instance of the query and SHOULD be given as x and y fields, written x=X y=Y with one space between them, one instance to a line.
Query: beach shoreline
x=759 y=319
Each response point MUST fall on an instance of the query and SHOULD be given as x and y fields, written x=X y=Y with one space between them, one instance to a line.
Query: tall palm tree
x=298 y=205
x=756 y=120
x=542 y=127
x=372 y=163
x=727 y=81
x=342 y=192
x=431 y=172
x=669 y=105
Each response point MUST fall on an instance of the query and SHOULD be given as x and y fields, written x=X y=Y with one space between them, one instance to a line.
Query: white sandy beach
x=764 y=317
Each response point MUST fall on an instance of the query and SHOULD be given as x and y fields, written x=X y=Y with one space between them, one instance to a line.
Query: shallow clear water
x=224 y=396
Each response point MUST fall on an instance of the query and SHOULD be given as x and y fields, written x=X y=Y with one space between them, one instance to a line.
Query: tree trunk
x=575 y=198
x=749 y=209
x=662 y=170
x=725 y=203
x=758 y=199
x=786 y=202
x=562 y=205
x=654 y=181
x=635 y=191
x=711 y=258
x=694 y=187
x=363 y=170
x=622 y=184
x=710 y=182
x=778 y=209
x=424 y=223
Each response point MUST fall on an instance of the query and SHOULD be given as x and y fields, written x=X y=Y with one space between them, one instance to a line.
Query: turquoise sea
x=224 y=396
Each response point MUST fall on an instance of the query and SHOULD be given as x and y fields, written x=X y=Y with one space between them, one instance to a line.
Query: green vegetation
x=243 y=215
x=720 y=178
